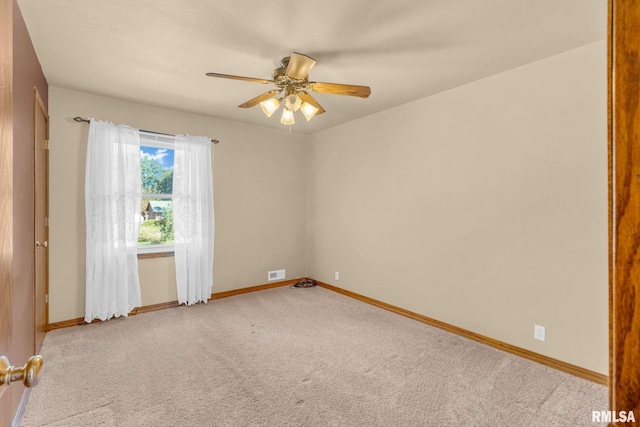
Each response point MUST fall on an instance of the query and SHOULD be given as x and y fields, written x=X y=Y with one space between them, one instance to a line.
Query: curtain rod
x=80 y=119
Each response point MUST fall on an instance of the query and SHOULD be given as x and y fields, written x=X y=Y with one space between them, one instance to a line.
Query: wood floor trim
x=161 y=306
x=266 y=286
x=518 y=351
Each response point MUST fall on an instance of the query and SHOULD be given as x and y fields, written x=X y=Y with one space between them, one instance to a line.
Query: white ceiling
x=158 y=51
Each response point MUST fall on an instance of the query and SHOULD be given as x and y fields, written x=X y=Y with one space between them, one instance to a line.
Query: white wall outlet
x=539 y=332
x=337 y=275
x=276 y=275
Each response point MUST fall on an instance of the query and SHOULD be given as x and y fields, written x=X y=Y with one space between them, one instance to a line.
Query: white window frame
x=148 y=139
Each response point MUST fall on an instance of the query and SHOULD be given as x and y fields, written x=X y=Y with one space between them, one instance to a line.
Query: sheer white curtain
x=193 y=221
x=112 y=207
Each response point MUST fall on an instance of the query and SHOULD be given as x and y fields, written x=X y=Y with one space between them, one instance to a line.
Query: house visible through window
x=156 y=210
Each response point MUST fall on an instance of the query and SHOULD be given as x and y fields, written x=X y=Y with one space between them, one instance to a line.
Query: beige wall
x=259 y=192
x=484 y=206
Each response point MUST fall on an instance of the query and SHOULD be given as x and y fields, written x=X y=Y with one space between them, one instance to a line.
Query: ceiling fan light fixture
x=308 y=110
x=292 y=85
x=270 y=106
x=293 y=102
x=287 y=117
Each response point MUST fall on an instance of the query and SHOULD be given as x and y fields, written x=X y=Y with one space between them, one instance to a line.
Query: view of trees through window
x=156 y=164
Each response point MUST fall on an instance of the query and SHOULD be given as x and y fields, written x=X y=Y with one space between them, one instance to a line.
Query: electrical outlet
x=539 y=332
x=337 y=275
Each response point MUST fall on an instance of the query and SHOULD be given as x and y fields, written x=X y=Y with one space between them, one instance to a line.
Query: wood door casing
x=41 y=214
x=624 y=207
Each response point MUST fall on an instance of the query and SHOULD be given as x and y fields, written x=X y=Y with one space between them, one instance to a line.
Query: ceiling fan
x=293 y=86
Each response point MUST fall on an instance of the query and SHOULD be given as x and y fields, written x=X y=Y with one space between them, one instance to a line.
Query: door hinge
x=46 y=298
x=46 y=144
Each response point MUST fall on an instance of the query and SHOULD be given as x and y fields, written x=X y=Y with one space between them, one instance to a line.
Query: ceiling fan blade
x=258 y=99
x=299 y=66
x=305 y=97
x=340 y=89
x=246 y=79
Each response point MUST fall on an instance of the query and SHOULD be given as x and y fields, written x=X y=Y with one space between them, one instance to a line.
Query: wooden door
x=41 y=213
x=6 y=252
x=6 y=195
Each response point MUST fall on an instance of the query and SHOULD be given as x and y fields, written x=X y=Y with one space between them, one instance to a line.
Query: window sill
x=156 y=255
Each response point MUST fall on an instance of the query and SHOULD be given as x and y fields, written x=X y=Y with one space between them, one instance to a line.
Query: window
x=156 y=210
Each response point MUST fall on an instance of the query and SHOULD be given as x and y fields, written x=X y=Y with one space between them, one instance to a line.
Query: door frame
x=40 y=302
x=624 y=206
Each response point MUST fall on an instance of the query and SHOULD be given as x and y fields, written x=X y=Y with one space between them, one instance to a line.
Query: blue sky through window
x=164 y=156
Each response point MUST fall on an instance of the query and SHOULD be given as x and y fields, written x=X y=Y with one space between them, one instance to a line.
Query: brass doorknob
x=29 y=374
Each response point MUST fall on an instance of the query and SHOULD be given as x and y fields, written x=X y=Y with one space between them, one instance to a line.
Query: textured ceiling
x=158 y=51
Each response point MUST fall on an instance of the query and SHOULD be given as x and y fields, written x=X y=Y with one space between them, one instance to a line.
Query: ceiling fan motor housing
x=283 y=81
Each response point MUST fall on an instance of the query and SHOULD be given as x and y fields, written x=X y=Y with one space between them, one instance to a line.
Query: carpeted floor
x=294 y=357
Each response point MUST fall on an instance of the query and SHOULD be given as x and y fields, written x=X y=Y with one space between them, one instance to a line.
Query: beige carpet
x=294 y=357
